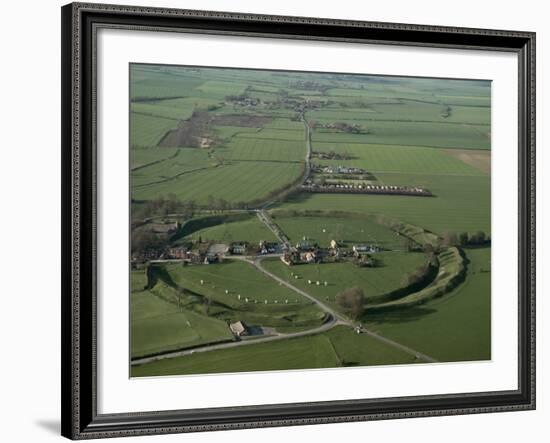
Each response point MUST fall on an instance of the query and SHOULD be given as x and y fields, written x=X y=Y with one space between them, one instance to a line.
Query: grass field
x=346 y=231
x=147 y=130
x=244 y=229
x=337 y=348
x=461 y=204
x=339 y=276
x=167 y=165
x=387 y=158
x=251 y=296
x=234 y=182
x=310 y=352
x=441 y=135
x=456 y=327
x=251 y=148
x=142 y=157
x=160 y=326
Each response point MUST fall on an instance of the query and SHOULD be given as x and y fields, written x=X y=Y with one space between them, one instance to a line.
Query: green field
x=160 y=326
x=442 y=135
x=247 y=228
x=255 y=148
x=339 y=276
x=461 y=203
x=337 y=348
x=251 y=296
x=148 y=130
x=249 y=181
x=456 y=327
x=390 y=159
x=346 y=231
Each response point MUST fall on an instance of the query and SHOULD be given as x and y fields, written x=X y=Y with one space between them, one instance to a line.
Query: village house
x=238 y=328
x=165 y=228
x=210 y=259
x=308 y=257
x=238 y=249
x=178 y=253
x=195 y=257
x=365 y=248
x=290 y=258
x=304 y=245
x=147 y=255
x=268 y=247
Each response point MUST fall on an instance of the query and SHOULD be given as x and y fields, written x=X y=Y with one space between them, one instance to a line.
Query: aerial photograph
x=293 y=220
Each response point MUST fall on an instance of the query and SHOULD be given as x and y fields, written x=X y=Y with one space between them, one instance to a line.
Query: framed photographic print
x=274 y=221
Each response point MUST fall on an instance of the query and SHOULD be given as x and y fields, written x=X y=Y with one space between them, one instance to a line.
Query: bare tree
x=352 y=300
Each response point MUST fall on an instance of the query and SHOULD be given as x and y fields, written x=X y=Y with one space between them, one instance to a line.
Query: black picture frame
x=79 y=390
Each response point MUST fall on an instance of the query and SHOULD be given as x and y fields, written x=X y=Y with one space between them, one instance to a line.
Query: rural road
x=266 y=220
x=308 y=148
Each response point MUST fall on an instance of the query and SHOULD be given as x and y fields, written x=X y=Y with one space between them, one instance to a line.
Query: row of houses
x=305 y=252
x=365 y=189
x=330 y=169
x=175 y=253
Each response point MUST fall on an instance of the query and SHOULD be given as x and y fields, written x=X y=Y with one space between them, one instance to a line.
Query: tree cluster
x=163 y=206
x=465 y=239
x=142 y=241
x=352 y=301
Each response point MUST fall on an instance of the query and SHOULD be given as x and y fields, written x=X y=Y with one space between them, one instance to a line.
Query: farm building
x=308 y=257
x=165 y=228
x=304 y=246
x=179 y=252
x=239 y=328
x=290 y=258
x=238 y=248
x=365 y=248
x=268 y=247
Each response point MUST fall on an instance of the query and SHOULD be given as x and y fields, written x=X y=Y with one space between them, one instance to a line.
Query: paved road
x=266 y=220
x=308 y=149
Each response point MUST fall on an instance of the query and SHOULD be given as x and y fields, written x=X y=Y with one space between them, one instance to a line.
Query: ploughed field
x=232 y=141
